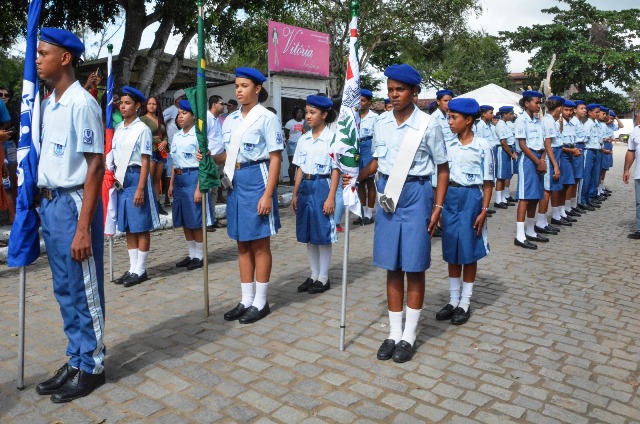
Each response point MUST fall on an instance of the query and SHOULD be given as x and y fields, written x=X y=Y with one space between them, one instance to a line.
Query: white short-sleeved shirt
x=71 y=127
x=487 y=131
x=568 y=135
x=143 y=144
x=443 y=122
x=579 y=127
x=312 y=156
x=551 y=130
x=261 y=138
x=471 y=164
x=634 y=146
x=505 y=132
x=366 y=126
x=592 y=134
x=169 y=115
x=214 y=134
x=388 y=136
x=530 y=128
x=295 y=130
x=183 y=149
x=611 y=129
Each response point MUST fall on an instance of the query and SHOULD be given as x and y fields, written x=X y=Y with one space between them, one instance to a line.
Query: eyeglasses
x=7 y=95
x=223 y=104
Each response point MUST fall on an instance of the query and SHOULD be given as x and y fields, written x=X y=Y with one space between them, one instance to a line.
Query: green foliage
x=11 y=75
x=618 y=102
x=592 y=46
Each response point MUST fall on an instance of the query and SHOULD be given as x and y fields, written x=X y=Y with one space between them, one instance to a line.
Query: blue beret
x=569 y=103
x=403 y=73
x=558 y=98
x=444 y=92
x=387 y=101
x=604 y=109
x=185 y=105
x=63 y=38
x=580 y=102
x=366 y=93
x=135 y=93
x=532 y=93
x=593 y=106
x=505 y=109
x=252 y=74
x=484 y=108
x=612 y=113
x=464 y=106
x=320 y=102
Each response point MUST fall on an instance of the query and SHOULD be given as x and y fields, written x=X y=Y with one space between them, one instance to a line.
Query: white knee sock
x=411 y=325
x=247 y=294
x=555 y=212
x=498 y=196
x=567 y=205
x=325 y=263
x=465 y=298
x=563 y=213
x=395 y=326
x=368 y=212
x=261 y=295
x=454 y=290
x=141 y=264
x=541 y=221
x=520 y=234
x=133 y=260
x=198 y=251
x=530 y=230
x=314 y=260
x=191 y=245
x=574 y=202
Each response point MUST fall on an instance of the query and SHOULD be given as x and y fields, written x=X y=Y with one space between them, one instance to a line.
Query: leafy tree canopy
x=615 y=101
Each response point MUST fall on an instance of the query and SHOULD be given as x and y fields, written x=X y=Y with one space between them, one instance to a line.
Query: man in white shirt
x=632 y=155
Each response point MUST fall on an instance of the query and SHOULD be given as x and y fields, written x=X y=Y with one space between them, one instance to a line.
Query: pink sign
x=298 y=50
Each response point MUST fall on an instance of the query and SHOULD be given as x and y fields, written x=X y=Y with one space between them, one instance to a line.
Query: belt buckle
x=118 y=185
x=386 y=203
x=47 y=194
x=238 y=165
x=226 y=182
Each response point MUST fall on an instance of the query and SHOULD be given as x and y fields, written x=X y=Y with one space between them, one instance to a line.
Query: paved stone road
x=554 y=337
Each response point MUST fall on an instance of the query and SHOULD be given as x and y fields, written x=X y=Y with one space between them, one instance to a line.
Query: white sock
x=454 y=290
x=247 y=294
x=574 y=202
x=498 y=196
x=530 y=230
x=563 y=213
x=368 y=212
x=261 y=295
x=133 y=260
x=141 y=264
x=314 y=260
x=198 y=252
x=555 y=212
x=191 y=245
x=520 y=234
x=600 y=188
x=465 y=298
x=395 y=326
x=567 y=205
x=325 y=263
x=541 y=221
x=411 y=325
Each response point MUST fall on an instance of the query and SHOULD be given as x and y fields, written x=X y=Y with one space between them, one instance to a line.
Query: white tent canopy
x=494 y=95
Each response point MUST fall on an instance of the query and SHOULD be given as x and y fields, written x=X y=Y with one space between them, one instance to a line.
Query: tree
x=592 y=46
x=11 y=75
x=615 y=101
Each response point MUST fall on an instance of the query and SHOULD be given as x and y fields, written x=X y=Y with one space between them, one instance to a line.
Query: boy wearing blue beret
x=366 y=190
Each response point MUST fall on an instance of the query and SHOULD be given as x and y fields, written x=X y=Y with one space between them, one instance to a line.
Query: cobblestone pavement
x=553 y=338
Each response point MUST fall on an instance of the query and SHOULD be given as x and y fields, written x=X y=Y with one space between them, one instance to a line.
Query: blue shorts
x=578 y=163
x=291 y=149
x=10 y=152
x=401 y=240
x=530 y=184
x=134 y=219
x=243 y=221
x=312 y=225
x=460 y=241
x=185 y=212
x=566 y=168
x=157 y=157
x=504 y=165
x=607 y=160
x=366 y=152
x=550 y=184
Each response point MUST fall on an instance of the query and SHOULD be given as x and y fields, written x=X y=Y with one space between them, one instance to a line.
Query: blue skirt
x=566 y=168
x=504 y=165
x=366 y=152
x=578 y=163
x=243 y=221
x=185 y=211
x=134 y=219
x=550 y=184
x=530 y=184
x=607 y=160
x=401 y=241
x=312 y=225
x=460 y=241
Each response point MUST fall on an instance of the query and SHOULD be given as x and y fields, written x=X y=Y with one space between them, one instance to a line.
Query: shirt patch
x=248 y=147
x=279 y=138
x=147 y=145
x=87 y=136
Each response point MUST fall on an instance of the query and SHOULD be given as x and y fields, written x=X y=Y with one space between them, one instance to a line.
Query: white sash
x=404 y=159
x=234 y=146
x=128 y=144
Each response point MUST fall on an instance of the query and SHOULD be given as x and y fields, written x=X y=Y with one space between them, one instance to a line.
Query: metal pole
x=345 y=266
x=21 y=307
x=110 y=258
x=205 y=258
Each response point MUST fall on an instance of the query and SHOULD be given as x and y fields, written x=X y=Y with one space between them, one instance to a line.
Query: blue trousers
x=78 y=286
x=591 y=174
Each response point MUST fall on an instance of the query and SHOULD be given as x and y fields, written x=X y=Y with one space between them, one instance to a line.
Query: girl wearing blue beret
x=464 y=230
x=314 y=193
x=137 y=206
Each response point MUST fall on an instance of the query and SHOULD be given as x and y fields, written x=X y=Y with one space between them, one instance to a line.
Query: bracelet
x=437 y=206
x=484 y=209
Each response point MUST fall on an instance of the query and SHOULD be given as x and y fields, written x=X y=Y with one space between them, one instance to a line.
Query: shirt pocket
x=174 y=148
x=472 y=174
x=189 y=151
x=226 y=138
x=250 y=148
x=322 y=165
x=58 y=142
x=380 y=150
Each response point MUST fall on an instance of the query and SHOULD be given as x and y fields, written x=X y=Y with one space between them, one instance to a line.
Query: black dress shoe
x=460 y=316
x=235 y=313
x=601 y=198
x=537 y=238
x=545 y=230
x=253 y=314
x=135 y=279
x=511 y=199
x=595 y=201
x=500 y=205
x=50 y=386
x=587 y=207
x=357 y=221
x=437 y=232
x=305 y=286
x=573 y=214
x=186 y=261
x=123 y=278
x=512 y=203
x=195 y=264
x=552 y=228
x=593 y=204
x=491 y=211
x=445 y=313
x=569 y=219
x=607 y=191
x=403 y=352
x=79 y=386
x=161 y=210
x=319 y=287
x=526 y=244
x=385 y=352
x=634 y=236
x=561 y=222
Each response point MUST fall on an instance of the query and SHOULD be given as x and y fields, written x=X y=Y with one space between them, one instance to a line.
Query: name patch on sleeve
x=87 y=136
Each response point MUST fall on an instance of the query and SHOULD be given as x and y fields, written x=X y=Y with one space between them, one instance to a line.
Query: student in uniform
x=185 y=188
x=570 y=153
x=387 y=105
x=293 y=130
x=153 y=117
x=613 y=124
x=252 y=154
x=366 y=190
x=70 y=172
x=531 y=169
x=579 y=121
x=314 y=194
x=505 y=153
x=607 y=150
x=407 y=213
x=137 y=206
x=591 y=156
x=633 y=155
x=484 y=128
x=464 y=230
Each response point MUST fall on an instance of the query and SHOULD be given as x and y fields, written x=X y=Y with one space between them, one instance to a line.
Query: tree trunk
x=174 y=65
x=135 y=23
x=154 y=55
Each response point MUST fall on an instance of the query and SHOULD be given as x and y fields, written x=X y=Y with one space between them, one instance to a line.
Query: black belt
x=410 y=178
x=240 y=165
x=537 y=151
x=580 y=144
x=370 y=137
x=569 y=146
x=180 y=171
x=595 y=150
x=314 y=177
x=52 y=193
x=455 y=184
x=133 y=168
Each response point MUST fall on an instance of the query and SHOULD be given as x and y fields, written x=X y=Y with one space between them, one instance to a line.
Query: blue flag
x=24 y=241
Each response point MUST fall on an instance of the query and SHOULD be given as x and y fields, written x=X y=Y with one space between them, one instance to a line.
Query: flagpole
x=345 y=267
x=110 y=258
x=205 y=258
x=23 y=283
